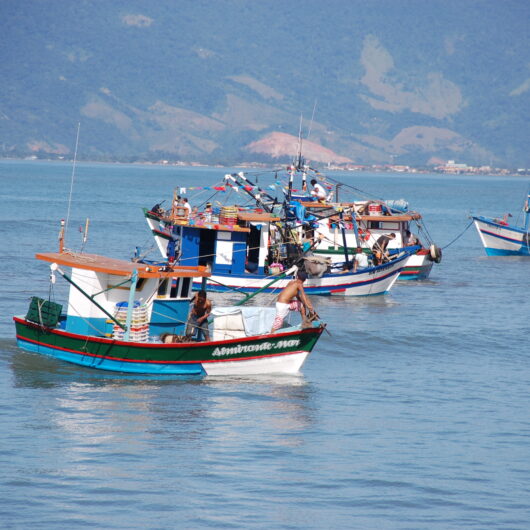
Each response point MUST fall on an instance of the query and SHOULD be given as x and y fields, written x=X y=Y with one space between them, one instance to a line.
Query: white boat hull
x=373 y=281
x=502 y=239
x=286 y=364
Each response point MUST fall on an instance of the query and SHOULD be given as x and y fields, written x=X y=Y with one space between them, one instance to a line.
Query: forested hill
x=402 y=81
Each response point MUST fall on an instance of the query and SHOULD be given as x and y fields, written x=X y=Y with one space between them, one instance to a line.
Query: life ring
x=364 y=234
x=435 y=253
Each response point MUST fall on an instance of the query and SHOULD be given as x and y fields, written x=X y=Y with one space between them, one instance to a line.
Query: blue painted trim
x=506 y=227
x=524 y=251
x=111 y=365
x=87 y=325
x=320 y=290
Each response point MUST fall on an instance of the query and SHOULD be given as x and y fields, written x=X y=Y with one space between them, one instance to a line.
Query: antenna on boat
x=312 y=118
x=299 y=161
x=71 y=186
x=85 y=234
x=61 y=237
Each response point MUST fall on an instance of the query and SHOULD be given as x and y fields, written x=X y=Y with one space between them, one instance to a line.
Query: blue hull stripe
x=501 y=252
x=319 y=289
x=115 y=365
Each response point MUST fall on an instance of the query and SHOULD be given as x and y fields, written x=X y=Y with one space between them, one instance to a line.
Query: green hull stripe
x=244 y=348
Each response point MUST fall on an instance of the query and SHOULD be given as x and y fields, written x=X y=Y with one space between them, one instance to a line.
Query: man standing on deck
x=292 y=298
x=198 y=319
x=380 y=248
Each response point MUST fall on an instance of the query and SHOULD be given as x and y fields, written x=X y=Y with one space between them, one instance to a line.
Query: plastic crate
x=44 y=312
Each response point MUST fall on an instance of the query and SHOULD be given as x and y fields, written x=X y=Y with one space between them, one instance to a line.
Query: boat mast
x=526 y=210
x=72 y=182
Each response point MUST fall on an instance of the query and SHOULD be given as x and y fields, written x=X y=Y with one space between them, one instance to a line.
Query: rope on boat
x=459 y=236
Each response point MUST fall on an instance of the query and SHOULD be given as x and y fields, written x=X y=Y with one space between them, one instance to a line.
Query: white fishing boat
x=501 y=238
x=361 y=224
x=248 y=254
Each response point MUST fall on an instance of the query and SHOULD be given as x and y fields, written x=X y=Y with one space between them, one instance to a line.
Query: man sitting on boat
x=411 y=239
x=198 y=319
x=360 y=260
x=292 y=298
x=318 y=191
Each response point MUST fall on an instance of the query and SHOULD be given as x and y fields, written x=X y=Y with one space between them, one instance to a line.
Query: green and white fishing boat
x=131 y=317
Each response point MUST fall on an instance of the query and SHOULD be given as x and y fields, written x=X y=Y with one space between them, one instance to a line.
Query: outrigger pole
x=258 y=200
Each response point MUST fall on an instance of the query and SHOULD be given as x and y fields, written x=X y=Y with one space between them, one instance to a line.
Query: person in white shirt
x=411 y=239
x=187 y=205
x=318 y=191
x=360 y=260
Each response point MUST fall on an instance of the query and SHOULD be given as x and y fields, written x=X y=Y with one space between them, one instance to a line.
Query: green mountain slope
x=226 y=82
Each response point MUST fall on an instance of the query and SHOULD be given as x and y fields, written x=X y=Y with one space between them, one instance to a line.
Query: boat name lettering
x=287 y=343
x=242 y=348
x=252 y=348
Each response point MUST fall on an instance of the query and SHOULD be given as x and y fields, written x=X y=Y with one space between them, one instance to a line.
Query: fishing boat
x=361 y=224
x=131 y=317
x=344 y=227
x=250 y=249
x=500 y=238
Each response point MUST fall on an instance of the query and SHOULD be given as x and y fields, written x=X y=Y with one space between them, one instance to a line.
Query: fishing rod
x=238 y=177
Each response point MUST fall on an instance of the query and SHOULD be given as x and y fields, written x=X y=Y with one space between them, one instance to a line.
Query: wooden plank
x=253 y=216
x=118 y=267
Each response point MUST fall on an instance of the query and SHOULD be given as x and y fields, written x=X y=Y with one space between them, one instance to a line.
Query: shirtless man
x=292 y=298
x=380 y=248
x=198 y=319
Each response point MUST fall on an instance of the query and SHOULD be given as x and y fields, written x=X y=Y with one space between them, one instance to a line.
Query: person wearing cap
x=292 y=298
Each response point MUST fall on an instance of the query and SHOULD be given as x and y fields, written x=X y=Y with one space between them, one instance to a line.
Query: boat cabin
x=102 y=288
x=236 y=245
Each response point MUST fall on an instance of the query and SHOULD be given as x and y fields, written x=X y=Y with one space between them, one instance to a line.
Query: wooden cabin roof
x=409 y=216
x=254 y=216
x=118 y=267
x=210 y=225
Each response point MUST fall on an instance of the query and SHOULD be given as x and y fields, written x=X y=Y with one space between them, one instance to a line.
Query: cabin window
x=180 y=288
x=174 y=288
x=186 y=287
x=207 y=247
x=374 y=225
x=162 y=288
x=254 y=240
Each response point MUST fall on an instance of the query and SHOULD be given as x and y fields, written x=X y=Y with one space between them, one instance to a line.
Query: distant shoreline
x=375 y=168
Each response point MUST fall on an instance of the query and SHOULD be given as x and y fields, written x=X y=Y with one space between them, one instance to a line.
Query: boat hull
x=502 y=240
x=374 y=281
x=417 y=267
x=265 y=354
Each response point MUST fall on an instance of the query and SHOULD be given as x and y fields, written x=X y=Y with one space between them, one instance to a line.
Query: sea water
x=413 y=412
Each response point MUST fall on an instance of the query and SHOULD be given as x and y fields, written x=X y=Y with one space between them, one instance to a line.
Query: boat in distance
x=501 y=238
